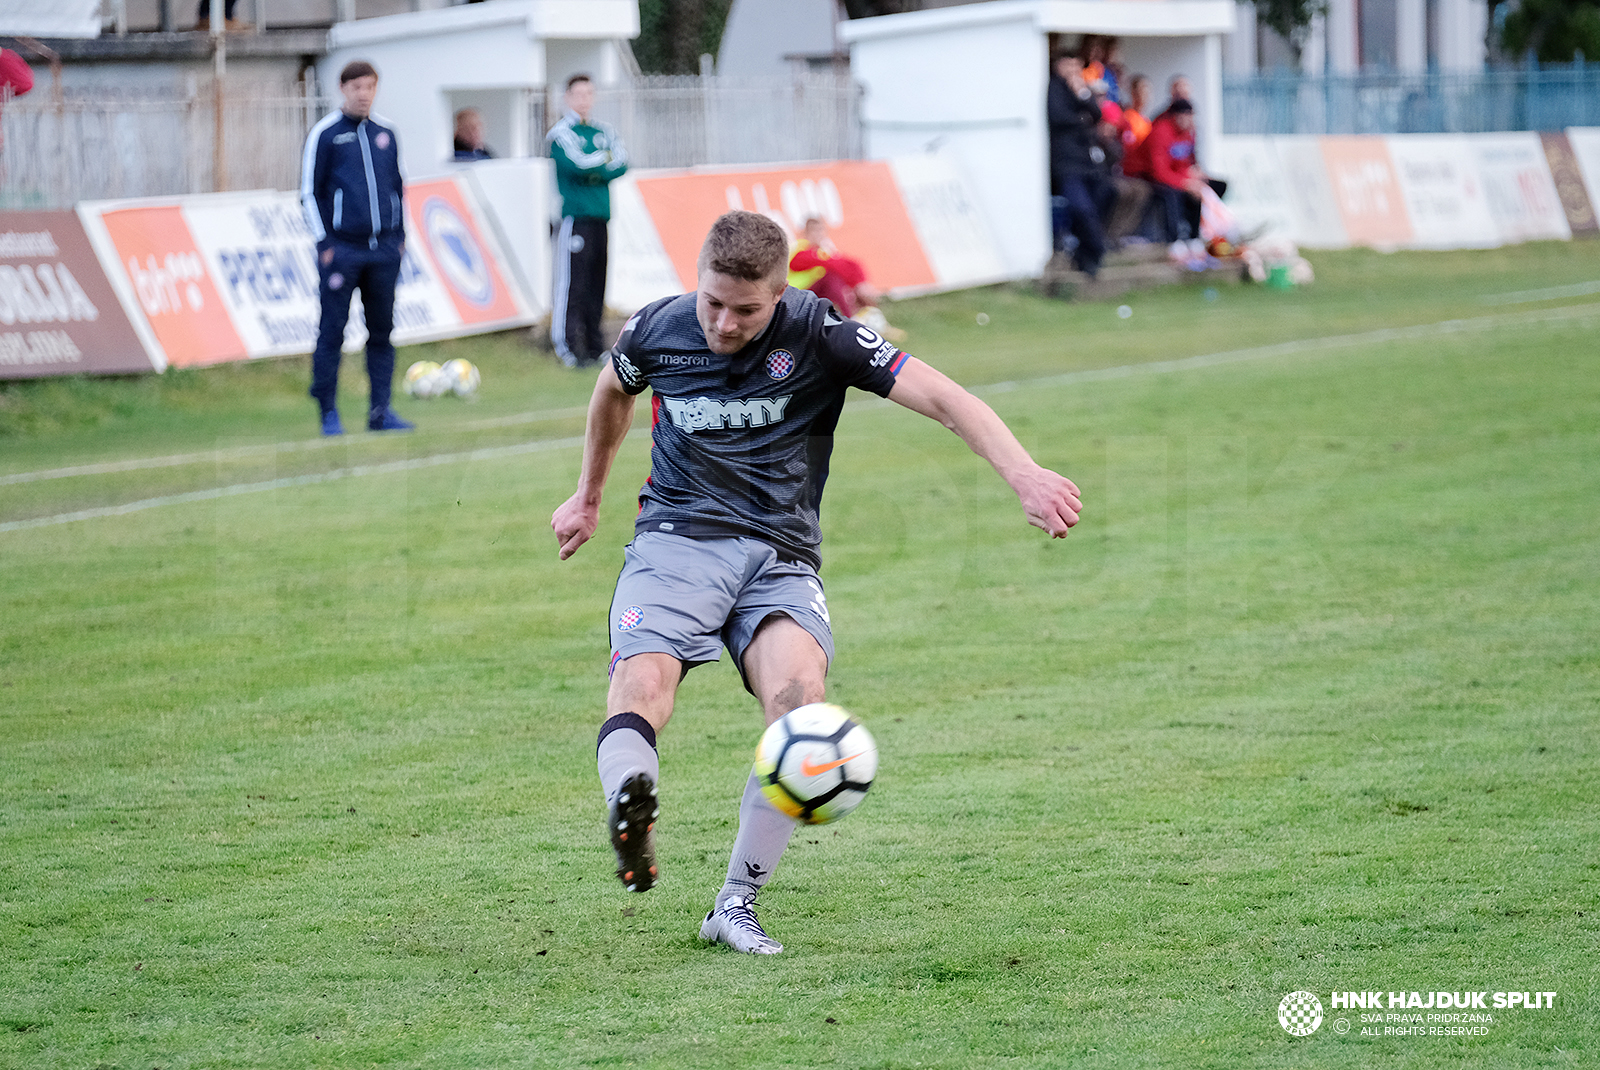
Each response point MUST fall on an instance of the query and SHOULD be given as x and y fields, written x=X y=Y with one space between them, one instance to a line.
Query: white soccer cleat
x=734 y=923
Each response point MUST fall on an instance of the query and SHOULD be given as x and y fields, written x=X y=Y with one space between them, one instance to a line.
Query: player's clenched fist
x=1051 y=501
x=574 y=522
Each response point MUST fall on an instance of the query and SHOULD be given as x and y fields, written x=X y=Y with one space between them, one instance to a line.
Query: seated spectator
x=1135 y=124
x=1165 y=159
x=1178 y=89
x=1127 y=205
x=817 y=265
x=1100 y=66
x=1080 y=187
x=469 y=136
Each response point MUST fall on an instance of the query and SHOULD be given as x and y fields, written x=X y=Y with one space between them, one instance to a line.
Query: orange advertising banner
x=1367 y=190
x=172 y=285
x=448 y=231
x=858 y=199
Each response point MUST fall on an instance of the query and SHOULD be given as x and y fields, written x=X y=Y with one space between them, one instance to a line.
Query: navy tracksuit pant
x=374 y=271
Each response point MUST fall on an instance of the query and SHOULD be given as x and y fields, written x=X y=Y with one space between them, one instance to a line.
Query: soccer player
x=353 y=195
x=749 y=378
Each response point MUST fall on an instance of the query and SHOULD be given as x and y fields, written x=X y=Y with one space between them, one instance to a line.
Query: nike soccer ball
x=425 y=379
x=460 y=376
x=816 y=763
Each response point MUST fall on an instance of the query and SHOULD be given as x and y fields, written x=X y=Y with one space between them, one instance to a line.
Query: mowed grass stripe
x=1384 y=336
x=310 y=479
x=177 y=460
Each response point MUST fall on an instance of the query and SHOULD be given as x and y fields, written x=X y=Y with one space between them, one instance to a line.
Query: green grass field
x=303 y=777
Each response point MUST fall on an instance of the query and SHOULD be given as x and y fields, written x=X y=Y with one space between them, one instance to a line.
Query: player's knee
x=797 y=691
x=645 y=684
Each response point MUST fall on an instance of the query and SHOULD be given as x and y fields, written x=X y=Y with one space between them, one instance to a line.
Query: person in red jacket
x=1165 y=159
x=16 y=78
x=15 y=74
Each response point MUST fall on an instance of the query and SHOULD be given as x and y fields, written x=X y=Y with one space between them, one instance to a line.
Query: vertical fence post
x=707 y=82
x=219 y=73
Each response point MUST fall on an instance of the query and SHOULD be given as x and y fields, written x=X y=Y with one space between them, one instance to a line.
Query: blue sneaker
x=331 y=424
x=387 y=420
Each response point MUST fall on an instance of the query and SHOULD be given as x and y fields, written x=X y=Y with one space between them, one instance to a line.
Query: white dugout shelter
x=505 y=59
x=510 y=60
x=971 y=81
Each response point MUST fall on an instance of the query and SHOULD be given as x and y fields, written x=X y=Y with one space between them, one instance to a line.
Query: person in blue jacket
x=352 y=193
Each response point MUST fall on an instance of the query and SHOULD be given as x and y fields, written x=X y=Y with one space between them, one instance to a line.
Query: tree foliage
x=1555 y=30
x=865 y=9
x=673 y=34
x=1289 y=19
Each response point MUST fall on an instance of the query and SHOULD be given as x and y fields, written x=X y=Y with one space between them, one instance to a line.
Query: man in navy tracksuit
x=351 y=191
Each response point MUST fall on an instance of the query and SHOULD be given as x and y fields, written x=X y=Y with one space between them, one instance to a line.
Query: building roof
x=1124 y=18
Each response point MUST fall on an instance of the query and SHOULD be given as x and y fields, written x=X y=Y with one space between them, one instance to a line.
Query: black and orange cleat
x=633 y=837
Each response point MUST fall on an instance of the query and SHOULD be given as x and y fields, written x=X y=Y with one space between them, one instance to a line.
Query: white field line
x=1126 y=371
x=1306 y=345
x=1525 y=297
x=352 y=472
x=178 y=460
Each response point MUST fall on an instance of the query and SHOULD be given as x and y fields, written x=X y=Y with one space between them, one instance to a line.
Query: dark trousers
x=1182 y=208
x=1087 y=199
x=374 y=272
x=579 y=286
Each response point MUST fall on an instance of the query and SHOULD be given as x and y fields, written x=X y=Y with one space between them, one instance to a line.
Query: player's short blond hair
x=746 y=245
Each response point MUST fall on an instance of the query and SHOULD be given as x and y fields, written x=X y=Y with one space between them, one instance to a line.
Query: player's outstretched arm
x=1050 y=500
x=610 y=417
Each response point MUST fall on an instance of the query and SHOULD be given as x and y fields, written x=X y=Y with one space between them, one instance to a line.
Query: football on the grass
x=815 y=763
x=425 y=379
x=461 y=376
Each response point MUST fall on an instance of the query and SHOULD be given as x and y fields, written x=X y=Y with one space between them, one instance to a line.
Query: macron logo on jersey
x=708 y=414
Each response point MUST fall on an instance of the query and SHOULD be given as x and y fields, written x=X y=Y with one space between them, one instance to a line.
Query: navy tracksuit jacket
x=352 y=193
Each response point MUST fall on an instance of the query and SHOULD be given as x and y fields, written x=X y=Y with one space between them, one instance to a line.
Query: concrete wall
x=145 y=15
x=979 y=95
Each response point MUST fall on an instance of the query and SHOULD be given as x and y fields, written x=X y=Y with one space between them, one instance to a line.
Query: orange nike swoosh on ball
x=807 y=769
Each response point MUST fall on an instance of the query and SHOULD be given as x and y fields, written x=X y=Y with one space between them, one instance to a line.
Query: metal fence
x=682 y=121
x=60 y=150
x=1525 y=98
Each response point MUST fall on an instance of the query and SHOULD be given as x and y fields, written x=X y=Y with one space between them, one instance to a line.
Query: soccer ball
x=816 y=763
x=425 y=379
x=461 y=376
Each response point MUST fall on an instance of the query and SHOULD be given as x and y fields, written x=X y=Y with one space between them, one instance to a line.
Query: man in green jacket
x=588 y=155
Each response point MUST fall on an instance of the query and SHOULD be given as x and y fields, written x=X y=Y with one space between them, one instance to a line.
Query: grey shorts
x=691 y=597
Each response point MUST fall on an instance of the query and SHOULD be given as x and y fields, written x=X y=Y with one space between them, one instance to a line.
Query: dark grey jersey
x=742 y=440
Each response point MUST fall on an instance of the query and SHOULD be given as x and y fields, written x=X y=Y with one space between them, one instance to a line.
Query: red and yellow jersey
x=807 y=264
